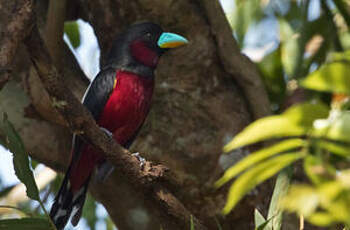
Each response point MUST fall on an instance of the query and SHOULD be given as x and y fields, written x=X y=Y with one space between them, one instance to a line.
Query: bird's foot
x=106 y=131
x=141 y=159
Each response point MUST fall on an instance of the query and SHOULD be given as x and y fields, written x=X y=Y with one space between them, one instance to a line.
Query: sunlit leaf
x=343 y=9
x=295 y=121
x=260 y=222
x=328 y=192
x=279 y=192
x=25 y=224
x=20 y=159
x=110 y=224
x=289 y=46
x=305 y=114
x=263 y=129
x=333 y=77
x=71 y=29
x=273 y=76
x=314 y=169
x=255 y=176
x=339 y=56
x=335 y=148
x=343 y=177
x=302 y=199
x=257 y=157
x=322 y=219
x=258 y=219
x=245 y=14
x=339 y=128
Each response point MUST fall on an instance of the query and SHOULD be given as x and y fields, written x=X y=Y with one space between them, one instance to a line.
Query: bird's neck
x=143 y=54
x=135 y=58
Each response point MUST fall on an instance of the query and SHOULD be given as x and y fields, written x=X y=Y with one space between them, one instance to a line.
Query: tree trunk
x=197 y=108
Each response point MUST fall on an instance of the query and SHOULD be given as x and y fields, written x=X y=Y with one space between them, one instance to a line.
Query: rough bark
x=15 y=28
x=197 y=108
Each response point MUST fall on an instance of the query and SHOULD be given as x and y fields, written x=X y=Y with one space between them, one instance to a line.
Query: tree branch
x=236 y=64
x=149 y=178
x=54 y=30
x=15 y=31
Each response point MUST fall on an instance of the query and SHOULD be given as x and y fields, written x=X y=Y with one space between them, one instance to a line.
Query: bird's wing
x=95 y=99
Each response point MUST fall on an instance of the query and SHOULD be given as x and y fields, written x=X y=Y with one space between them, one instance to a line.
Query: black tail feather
x=68 y=203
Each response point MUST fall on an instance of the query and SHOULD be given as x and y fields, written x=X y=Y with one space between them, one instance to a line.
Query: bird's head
x=139 y=48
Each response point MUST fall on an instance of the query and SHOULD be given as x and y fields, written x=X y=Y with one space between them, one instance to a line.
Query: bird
x=119 y=99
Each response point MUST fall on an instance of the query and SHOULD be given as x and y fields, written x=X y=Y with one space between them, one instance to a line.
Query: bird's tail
x=70 y=198
x=68 y=203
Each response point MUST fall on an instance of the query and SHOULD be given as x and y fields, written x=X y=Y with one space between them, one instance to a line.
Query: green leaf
x=273 y=76
x=257 y=157
x=110 y=224
x=322 y=219
x=280 y=191
x=20 y=160
x=263 y=129
x=339 y=56
x=258 y=219
x=192 y=224
x=257 y=175
x=264 y=226
x=71 y=28
x=25 y=224
x=289 y=46
x=218 y=223
x=333 y=77
x=305 y=114
x=302 y=199
x=314 y=169
x=329 y=191
x=89 y=212
x=295 y=121
x=343 y=9
x=260 y=222
x=245 y=14
x=335 y=148
x=338 y=128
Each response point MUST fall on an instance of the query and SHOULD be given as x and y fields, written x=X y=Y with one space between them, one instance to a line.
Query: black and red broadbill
x=119 y=99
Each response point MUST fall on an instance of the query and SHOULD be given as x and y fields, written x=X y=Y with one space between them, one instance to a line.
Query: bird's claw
x=106 y=131
x=141 y=159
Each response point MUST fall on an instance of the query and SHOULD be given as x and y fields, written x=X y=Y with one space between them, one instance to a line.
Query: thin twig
x=301 y=222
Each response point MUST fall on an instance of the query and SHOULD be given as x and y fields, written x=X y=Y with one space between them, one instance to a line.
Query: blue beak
x=171 y=40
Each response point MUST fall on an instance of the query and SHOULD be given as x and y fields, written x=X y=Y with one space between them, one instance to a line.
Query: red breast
x=127 y=106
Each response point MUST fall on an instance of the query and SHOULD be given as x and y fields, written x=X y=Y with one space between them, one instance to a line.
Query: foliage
x=71 y=29
x=315 y=130
x=20 y=159
x=25 y=223
x=25 y=175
